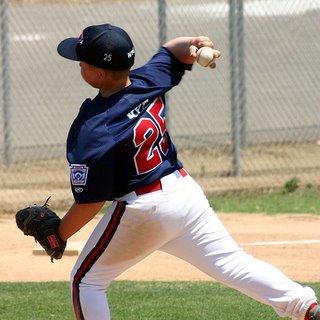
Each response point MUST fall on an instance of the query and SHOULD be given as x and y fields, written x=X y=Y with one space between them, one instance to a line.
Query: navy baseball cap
x=104 y=46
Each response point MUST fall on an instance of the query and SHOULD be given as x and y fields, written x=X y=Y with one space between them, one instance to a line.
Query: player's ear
x=100 y=73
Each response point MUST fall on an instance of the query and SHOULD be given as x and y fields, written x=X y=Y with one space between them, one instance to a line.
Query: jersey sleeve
x=92 y=181
x=90 y=153
x=163 y=69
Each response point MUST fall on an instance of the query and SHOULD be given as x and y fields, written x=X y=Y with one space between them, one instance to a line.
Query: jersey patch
x=79 y=174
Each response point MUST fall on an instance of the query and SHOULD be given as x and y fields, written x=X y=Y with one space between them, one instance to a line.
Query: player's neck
x=109 y=90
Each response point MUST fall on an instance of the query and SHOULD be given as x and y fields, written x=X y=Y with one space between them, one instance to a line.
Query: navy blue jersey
x=119 y=143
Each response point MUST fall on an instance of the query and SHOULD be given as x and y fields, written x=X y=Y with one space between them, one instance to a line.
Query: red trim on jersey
x=94 y=255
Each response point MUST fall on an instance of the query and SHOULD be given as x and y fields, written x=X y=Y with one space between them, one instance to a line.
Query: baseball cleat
x=314 y=313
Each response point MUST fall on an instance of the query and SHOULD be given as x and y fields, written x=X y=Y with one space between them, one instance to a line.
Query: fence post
x=162 y=26
x=242 y=79
x=5 y=75
x=162 y=21
x=235 y=93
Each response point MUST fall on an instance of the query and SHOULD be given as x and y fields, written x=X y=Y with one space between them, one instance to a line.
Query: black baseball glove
x=42 y=223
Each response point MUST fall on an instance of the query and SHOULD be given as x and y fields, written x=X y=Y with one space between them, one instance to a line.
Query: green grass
x=134 y=300
x=47 y=300
x=283 y=201
x=290 y=199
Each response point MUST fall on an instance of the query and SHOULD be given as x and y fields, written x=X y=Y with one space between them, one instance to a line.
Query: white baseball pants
x=177 y=220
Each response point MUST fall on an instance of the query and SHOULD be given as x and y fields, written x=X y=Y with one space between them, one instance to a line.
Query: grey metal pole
x=162 y=21
x=4 y=30
x=235 y=92
x=242 y=78
x=162 y=25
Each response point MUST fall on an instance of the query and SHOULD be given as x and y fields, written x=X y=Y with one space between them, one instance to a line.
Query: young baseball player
x=119 y=150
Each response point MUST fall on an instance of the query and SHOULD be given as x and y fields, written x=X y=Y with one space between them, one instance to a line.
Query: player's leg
x=206 y=244
x=88 y=296
x=126 y=234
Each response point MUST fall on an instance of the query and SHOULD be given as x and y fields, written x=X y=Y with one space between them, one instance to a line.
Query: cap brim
x=67 y=48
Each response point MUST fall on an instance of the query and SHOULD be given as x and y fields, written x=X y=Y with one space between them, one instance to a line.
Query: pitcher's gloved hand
x=42 y=223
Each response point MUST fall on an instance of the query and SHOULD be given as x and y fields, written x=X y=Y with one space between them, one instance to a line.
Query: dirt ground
x=290 y=242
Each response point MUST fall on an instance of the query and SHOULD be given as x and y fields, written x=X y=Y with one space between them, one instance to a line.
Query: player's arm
x=78 y=216
x=185 y=48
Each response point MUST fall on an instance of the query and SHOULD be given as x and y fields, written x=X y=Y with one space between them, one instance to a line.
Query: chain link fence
x=251 y=124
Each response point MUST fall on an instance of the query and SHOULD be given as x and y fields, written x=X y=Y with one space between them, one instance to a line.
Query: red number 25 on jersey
x=150 y=139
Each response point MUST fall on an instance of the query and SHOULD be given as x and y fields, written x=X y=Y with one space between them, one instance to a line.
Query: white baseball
x=205 y=56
